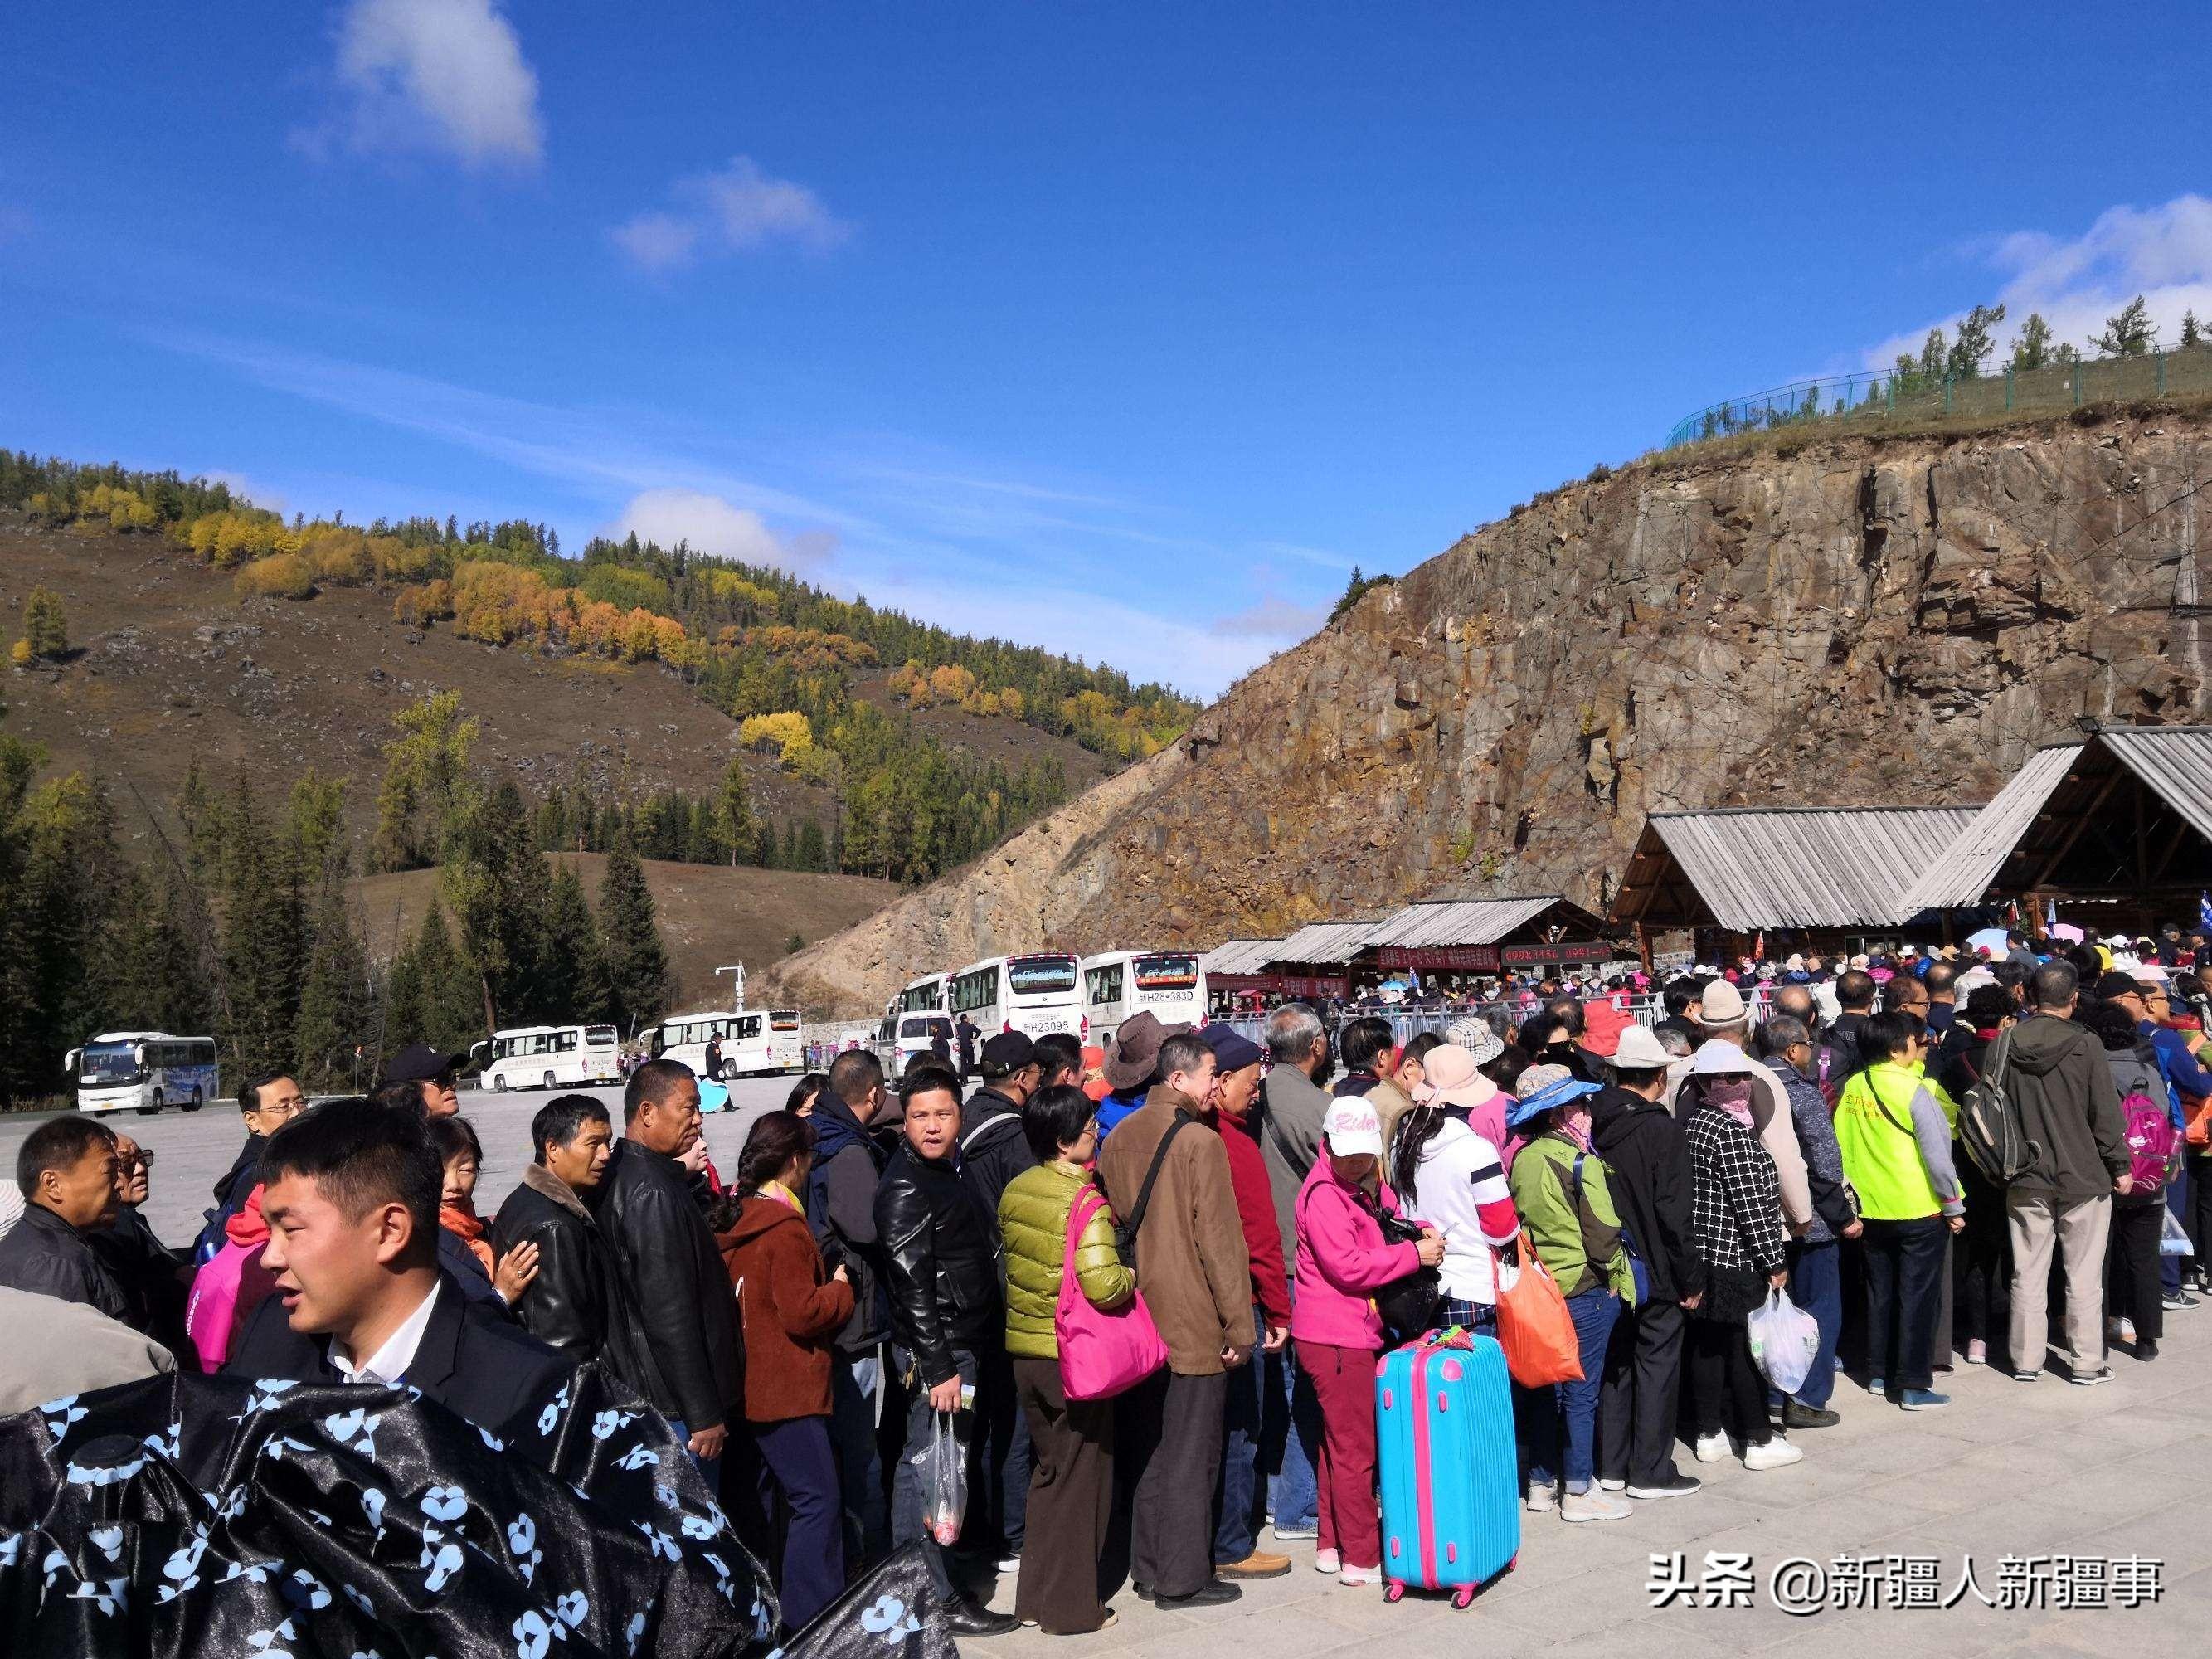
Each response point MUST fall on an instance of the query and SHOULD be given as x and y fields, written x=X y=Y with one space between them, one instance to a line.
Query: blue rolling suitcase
x=1451 y=1518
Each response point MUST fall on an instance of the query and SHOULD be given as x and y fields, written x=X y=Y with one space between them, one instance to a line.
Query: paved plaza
x=2094 y=1477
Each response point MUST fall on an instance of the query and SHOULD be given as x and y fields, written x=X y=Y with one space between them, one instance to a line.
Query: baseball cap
x=1353 y=1127
x=1006 y=1053
x=418 y=1062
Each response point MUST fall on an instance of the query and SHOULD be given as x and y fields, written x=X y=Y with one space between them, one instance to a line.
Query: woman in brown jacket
x=790 y=1312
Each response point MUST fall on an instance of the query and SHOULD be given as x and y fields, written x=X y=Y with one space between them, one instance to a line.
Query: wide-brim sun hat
x=1528 y=1108
x=1450 y=1076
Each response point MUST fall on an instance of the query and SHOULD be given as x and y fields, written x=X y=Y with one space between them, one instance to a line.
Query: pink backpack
x=214 y=1304
x=1103 y=1351
x=2151 y=1137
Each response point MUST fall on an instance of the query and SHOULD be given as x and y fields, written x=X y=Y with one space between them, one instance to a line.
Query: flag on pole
x=2204 y=908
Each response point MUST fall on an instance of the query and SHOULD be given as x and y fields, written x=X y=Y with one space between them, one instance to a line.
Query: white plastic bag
x=1785 y=1339
x=2172 y=1237
x=943 y=1464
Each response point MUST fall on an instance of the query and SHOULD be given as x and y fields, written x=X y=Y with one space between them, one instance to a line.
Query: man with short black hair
x=350 y=1194
x=267 y=1102
x=1683 y=997
x=573 y=1304
x=66 y=1170
x=1855 y=993
x=1369 y=1046
x=1940 y=980
x=431 y=1073
x=2061 y=1086
x=1293 y=1106
x=1059 y=1059
x=670 y=1266
x=841 y=1206
x=941 y=1269
x=1170 y=1181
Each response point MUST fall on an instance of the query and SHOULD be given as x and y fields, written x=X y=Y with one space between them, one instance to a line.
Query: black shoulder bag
x=1125 y=1233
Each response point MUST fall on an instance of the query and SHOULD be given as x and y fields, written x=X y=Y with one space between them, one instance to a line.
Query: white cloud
x=713 y=526
x=736 y=210
x=2163 y=253
x=445 y=74
x=1271 y=619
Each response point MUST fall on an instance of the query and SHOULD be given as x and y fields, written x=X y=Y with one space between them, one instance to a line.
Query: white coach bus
x=144 y=1071
x=1032 y=995
x=1121 y=983
x=550 y=1057
x=753 y=1040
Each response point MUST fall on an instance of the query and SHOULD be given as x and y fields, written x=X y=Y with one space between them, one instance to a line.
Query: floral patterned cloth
x=208 y=1517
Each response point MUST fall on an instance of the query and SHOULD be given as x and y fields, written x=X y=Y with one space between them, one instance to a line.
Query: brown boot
x=1256 y=1565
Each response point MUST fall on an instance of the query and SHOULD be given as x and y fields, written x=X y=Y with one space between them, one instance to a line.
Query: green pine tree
x=434 y=995
x=335 y=1005
x=261 y=939
x=2128 y=332
x=734 y=806
x=637 y=960
x=46 y=626
x=576 y=984
x=813 y=854
x=500 y=889
x=2031 y=348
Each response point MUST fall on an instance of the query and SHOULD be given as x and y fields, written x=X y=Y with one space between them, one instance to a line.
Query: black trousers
x=1171 y=1429
x=1904 y=1278
x=1071 y=1502
x=1636 y=1406
x=1726 y=1390
x=2131 y=1287
x=1981 y=1261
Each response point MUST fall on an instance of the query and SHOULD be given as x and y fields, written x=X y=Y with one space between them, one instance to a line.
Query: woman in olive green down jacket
x=1071 y=1441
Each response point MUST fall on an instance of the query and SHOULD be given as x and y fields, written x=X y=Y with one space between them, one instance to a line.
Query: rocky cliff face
x=1853 y=621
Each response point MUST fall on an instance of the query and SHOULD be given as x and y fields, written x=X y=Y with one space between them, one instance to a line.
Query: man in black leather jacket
x=575 y=1304
x=671 y=1267
x=941 y=1271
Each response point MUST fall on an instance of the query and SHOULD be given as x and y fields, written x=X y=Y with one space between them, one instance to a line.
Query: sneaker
x=1010 y=1564
x=1327 y=1561
x=1356 y=1577
x=2177 y=1300
x=1977 y=1352
x=2146 y=1350
x=1797 y=1416
x=1876 y=1385
x=1711 y=1447
x=1254 y=1566
x=1294 y=1533
x=965 y=1619
x=1923 y=1399
x=2021 y=1374
x=1542 y=1500
x=1607 y=1483
x=1592 y=1506
x=1213 y=1594
x=2090 y=1379
x=1679 y=1486
x=1775 y=1453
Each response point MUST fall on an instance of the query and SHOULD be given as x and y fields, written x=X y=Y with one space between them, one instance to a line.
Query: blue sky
x=1123 y=329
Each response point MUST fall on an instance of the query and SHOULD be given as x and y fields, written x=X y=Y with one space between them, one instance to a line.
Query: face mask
x=1731 y=1094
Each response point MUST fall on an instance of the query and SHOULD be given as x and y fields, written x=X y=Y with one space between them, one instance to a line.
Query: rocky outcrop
x=1854 y=622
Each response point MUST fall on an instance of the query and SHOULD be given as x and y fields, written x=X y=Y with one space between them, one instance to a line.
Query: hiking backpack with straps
x=1989 y=1121
x=2153 y=1144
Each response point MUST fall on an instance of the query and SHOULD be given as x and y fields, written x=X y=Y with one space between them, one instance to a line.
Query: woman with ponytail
x=792 y=1312
x=1446 y=1161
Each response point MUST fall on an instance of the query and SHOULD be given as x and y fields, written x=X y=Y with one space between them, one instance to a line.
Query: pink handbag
x=1103 y=1351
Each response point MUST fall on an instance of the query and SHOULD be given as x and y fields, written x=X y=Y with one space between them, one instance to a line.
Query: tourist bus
x=929 y=994
x=1121 y=983
x=1032 y=995
x=753 y=1040
x=549 y=1057
x=144 y=1071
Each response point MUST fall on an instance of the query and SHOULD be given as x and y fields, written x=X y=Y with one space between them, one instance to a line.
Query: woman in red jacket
x=790 y=1312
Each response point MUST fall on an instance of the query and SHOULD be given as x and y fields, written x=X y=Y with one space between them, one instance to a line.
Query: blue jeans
x=2177 y=1199
x=1292 y=1433
x=1816 y=1284
x=709 y=1467
x=1593 y=1312
x=1235 y=1523
x=853 y=1382
x=799 y=1470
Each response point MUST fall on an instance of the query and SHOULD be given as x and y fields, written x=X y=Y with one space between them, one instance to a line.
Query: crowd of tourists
x=895 y=1269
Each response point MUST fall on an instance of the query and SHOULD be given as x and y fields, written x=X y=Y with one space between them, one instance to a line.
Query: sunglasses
x=141 y=1160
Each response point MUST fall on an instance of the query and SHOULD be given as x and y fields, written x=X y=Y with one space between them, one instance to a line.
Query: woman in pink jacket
x=1342 y=1262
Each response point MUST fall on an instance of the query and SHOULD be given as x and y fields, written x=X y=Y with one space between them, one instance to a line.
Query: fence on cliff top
x=1846 y=401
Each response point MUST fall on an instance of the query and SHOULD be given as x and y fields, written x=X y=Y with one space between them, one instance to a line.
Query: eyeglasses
x=140 y=1160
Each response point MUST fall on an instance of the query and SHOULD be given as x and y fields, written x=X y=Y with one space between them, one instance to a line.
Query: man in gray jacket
x=2054 y=1074
x=1290 y=1140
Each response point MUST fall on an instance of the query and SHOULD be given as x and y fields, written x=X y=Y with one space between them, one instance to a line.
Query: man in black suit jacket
x=350 y=1195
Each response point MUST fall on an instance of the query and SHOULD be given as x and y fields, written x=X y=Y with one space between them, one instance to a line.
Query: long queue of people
x=893 y=1269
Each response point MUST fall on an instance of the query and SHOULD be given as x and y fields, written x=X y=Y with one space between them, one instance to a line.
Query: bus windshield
x=109 y=1063
x=783 y=1020
x=1028 y=976
x=1167 y=973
